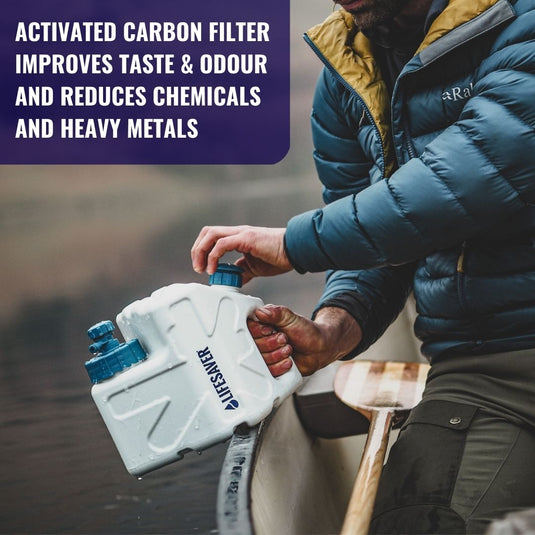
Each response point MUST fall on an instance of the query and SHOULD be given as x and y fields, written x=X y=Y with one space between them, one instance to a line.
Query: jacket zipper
x=326 y=62
x=460 y=276
x=408 y=142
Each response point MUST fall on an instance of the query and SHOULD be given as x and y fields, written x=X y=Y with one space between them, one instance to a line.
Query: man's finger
x=221 y=246
x=272 y=343
x=199 y=251
x=282 y=353
x=204 y=244
x=281 y=367
x=259 y=330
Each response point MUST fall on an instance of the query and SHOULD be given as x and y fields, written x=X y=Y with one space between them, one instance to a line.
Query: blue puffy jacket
x=435 y=190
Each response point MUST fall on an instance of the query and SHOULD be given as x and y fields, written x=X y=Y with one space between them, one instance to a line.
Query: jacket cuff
x=302 y=247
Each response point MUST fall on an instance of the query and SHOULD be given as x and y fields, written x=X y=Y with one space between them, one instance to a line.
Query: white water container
x=188 y=374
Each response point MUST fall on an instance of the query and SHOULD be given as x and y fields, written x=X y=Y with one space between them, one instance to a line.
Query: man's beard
x=376 y=12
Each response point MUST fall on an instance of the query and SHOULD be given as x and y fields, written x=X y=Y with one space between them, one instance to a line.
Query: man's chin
x=364 y=20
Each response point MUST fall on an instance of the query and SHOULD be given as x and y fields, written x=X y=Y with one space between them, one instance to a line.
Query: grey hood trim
x=492 y=17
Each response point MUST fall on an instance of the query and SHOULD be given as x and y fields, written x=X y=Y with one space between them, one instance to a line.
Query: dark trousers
x=454 y=469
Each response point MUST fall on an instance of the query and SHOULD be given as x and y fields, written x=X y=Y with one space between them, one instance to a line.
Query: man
x=424 y=131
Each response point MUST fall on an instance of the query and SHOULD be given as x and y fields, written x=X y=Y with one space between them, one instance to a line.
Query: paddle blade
x=367 y=385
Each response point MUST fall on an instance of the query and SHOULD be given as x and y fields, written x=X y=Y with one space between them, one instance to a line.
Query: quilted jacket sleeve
x=373 y=297
x=476 y=173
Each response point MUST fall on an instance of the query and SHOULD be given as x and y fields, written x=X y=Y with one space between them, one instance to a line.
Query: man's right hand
x=280 y=334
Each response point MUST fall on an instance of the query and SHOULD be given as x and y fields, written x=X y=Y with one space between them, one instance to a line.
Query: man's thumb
x=276 y=315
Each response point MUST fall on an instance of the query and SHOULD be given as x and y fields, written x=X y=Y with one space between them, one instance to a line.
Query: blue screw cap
x=111 y=357
x=100 y=329
x=227 y=275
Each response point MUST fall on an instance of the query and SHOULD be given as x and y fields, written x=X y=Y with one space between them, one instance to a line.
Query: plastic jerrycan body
x=188 y=373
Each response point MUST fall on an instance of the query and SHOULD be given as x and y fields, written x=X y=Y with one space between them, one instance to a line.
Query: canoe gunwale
x=234 y=489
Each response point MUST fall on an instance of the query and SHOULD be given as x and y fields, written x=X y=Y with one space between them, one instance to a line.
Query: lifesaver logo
x=216 y=378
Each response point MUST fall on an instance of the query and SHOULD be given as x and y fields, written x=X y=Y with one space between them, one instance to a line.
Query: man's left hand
x=262 y=249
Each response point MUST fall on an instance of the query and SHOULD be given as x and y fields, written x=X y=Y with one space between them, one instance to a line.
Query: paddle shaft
x=360 y=508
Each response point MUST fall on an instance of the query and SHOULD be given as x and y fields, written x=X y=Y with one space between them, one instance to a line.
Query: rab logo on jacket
x=458 y=93
x=216 y=378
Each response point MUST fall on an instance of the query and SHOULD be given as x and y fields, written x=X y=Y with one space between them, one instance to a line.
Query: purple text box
x=144 y=82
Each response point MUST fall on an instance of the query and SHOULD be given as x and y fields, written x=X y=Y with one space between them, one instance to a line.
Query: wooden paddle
x=378 y=390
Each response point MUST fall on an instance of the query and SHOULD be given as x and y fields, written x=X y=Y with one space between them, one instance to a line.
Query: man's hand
x=262 y=249
x=280 y=334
